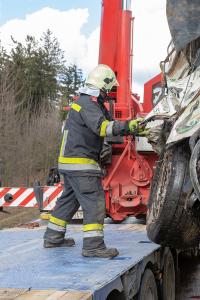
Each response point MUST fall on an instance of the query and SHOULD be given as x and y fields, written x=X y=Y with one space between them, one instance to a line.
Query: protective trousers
x=86 y=191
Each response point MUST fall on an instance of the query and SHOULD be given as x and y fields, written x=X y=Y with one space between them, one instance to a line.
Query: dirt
x=17 y=216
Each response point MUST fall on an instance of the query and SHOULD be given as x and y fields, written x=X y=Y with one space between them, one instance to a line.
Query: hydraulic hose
x=193 y=169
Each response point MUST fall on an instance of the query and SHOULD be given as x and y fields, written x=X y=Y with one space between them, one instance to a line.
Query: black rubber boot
x=95 y=247
x=65 y=243
x=53 y=238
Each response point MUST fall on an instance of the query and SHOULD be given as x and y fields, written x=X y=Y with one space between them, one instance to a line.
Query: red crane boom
x=128 y=178
x=116 y=49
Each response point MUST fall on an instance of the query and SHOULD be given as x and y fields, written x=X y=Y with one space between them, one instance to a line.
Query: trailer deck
x=25 y=264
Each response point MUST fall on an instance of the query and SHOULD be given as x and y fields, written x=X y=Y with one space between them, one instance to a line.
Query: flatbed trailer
x=28 y=271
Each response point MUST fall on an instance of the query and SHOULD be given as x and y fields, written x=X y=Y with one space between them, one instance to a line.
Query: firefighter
x=88 y=122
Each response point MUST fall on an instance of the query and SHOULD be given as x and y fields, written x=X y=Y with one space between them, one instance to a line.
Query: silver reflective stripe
x=109 y=129
x=93 y=233
x=56 y=227
x=64 y=141
x=126 y=4
x=78 y=167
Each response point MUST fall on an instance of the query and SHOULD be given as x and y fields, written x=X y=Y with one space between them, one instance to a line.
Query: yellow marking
x=76 y=107
x=76 y=160
x=90 y=227
x=103 y=128
x=57 y=221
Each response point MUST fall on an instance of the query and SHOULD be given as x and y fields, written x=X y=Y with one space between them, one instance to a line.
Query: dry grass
x=15 y=216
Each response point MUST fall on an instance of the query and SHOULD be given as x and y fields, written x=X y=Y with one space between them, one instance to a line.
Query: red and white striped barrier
x=25 y=197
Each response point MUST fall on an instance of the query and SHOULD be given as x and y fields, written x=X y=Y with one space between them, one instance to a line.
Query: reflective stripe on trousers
x=56 y=227
x=93 y=230
x=57 y=224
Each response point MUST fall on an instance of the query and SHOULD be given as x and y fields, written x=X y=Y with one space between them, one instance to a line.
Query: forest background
x=36 y=82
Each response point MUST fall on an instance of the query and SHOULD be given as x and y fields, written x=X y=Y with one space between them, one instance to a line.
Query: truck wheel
x=168 y=278
x=169 y=222
x=148 y=287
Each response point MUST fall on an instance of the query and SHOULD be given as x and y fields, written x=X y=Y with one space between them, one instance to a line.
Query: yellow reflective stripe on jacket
x=90 y=227
x=103 y=128
x=76 y=160
x=58 y=221
x=76 y=107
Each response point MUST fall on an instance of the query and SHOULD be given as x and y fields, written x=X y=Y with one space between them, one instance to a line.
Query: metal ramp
x=25 y=264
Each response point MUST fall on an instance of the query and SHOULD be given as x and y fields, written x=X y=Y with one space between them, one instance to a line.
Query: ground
x=16 y=216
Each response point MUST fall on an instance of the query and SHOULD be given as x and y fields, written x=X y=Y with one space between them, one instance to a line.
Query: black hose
x=193 y=168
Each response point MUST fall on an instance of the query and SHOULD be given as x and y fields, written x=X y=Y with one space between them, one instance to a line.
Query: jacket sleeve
x=94 y=119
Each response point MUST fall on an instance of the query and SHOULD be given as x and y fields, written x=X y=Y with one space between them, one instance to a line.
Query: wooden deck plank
x=75 y=295
x=9 y=294
x=56 y=295
x=35 y=295
x=23 y=294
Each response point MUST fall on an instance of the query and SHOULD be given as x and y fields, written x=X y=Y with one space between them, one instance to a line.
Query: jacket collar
x=88 y=91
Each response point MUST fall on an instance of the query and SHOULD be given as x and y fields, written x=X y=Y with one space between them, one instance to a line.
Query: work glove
x=137 y=129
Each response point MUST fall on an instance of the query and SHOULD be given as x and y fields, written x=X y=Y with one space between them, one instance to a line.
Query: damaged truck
x=173 y=217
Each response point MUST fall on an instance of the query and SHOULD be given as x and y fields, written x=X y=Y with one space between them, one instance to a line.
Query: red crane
x=129 y=175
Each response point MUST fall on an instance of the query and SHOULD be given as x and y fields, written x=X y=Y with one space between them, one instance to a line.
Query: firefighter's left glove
x=134 y=124
x=136 y=129
x=142 y=131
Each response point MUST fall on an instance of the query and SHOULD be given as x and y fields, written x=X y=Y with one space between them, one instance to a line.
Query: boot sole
x=98 y=255
x=51 y=245
x=58 y=246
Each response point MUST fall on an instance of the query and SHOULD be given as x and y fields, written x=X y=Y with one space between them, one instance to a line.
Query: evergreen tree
x=39 y=75
x=71 y=80
x=37 y=67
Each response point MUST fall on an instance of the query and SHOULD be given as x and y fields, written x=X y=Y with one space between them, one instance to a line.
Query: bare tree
x=28 y=143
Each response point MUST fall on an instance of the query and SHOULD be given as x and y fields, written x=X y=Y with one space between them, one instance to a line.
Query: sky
x=76 y=25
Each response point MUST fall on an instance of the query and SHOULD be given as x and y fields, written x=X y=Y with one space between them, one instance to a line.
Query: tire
x=168 y=278
x=169 y=222
x=148 y=288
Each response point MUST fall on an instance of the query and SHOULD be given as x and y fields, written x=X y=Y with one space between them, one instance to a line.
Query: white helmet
x=102 y=77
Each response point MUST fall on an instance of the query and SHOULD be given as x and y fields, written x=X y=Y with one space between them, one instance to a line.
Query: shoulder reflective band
x=58 y=221
x=91 y=227
x=76 y=107
x=76 y=160
x=103 y=128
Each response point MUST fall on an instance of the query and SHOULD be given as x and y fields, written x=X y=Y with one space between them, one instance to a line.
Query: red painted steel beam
x=116 y=49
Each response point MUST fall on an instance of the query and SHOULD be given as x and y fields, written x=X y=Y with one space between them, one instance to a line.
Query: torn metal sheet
x=185 y=89
x=187 y=124
x=176 y=65
x=164 y=109
x=182 y=98
x=180 y=93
